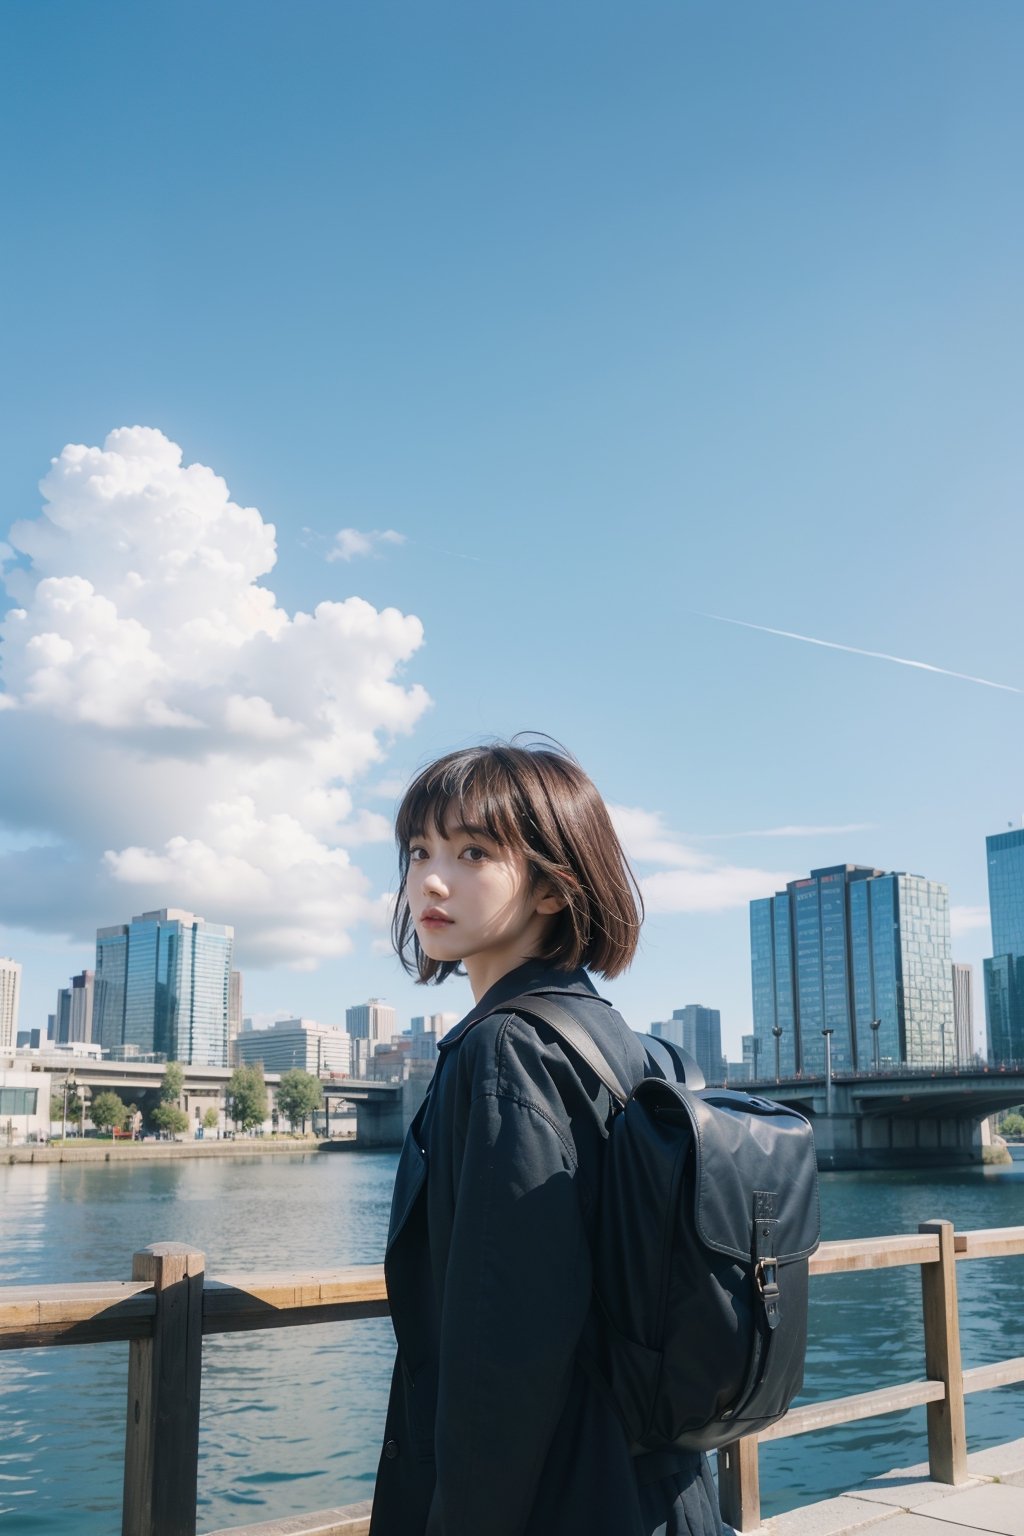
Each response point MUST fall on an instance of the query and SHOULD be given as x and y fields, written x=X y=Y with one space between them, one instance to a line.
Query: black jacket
x=493 y=1429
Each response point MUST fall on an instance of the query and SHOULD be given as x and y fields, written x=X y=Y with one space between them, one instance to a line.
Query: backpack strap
x=574 y=1035
x=675 y=1064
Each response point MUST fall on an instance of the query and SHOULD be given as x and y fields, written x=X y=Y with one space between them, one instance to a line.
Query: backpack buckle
x=766 y=1278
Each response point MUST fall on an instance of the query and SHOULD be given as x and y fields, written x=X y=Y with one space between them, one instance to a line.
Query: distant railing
x=168 y=1306
x=970 y=1068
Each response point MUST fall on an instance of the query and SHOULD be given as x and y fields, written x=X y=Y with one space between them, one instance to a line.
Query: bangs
x=479 y=794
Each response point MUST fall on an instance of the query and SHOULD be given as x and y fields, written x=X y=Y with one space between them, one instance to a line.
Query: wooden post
x=947 y=1432
x=739 y=1486
x=161 y=1453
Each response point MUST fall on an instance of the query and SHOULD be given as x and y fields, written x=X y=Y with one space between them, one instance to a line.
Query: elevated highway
x=384 y=1110
x=908 y=1117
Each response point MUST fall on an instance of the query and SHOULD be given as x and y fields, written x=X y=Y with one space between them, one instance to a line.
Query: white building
x=235 y=996
x=302 y=1043
x=10 y=996
x=374 y=1020
x=963 y=1013
x=24 y=1105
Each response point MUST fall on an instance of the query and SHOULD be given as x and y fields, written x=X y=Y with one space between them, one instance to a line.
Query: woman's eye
x=417 y=855
x=473 y=855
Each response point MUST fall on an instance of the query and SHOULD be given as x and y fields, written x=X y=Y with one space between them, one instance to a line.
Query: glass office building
x=108 y=988
x=162 y=985
x=846 y=947
x=698 y=1030
x=1004 y=972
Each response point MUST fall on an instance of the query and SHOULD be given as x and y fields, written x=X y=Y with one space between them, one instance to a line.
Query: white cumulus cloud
x=694 y=881
x=171 y=735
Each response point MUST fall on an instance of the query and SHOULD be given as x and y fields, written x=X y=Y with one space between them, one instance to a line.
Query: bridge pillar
x=384 y=1122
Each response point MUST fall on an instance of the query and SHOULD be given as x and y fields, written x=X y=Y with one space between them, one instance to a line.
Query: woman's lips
x=435 y=919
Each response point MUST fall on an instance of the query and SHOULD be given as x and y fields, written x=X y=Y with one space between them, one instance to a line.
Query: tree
x=168 y=1117
x=1012 y=1124
x=109 y=1112
x=210 y=1119
x=246 y=1096
x=298 y=1095
x=173 y=1083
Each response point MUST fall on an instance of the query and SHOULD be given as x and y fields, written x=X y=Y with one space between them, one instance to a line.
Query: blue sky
x=620 y=317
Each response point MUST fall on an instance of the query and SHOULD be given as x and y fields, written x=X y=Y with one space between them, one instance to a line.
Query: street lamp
x=69 y=1082
x=876 y=1025
x=777 y=1032
x=828 y=1070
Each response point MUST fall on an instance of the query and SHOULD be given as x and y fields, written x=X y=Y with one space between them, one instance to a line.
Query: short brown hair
x=535 y=799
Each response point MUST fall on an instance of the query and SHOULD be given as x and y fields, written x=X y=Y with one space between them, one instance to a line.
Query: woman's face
x=471 y=900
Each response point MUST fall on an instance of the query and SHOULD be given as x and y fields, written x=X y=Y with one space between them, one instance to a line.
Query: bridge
x=904 y=1117
x=384 y=1109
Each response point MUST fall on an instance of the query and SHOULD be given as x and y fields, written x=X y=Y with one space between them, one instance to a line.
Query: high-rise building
x=1004 y=972
x=432 y=1024
x=162 y=985
x=75 y=1007
x=108 y=996
x=699 y=1031
x=302 y=1043
x=235 y=991
x=963 y=1013
x=10 y=996
x=846 y=948
x=374 y=1020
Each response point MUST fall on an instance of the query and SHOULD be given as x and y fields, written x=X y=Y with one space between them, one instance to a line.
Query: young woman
x=511 y=869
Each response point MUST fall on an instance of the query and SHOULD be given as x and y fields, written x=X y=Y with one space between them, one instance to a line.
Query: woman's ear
x=549 y=899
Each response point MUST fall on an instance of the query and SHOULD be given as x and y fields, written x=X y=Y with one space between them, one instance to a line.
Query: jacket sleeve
x=517 y=1290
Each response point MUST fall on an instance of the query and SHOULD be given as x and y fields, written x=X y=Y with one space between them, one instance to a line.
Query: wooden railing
x=168 y=1306
x=936 y=1248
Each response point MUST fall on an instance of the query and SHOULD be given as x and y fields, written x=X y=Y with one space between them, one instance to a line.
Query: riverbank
x=171 y=1151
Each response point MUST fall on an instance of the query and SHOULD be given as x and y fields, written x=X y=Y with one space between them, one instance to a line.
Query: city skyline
x=632 y=378
x=731 y=1042
x=365 y=1020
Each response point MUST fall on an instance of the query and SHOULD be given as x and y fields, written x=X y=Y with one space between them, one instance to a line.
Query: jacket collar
x=534 y=976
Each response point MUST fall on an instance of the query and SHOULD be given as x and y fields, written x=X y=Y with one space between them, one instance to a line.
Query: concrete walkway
x=902 y=1503
x=907 y=1503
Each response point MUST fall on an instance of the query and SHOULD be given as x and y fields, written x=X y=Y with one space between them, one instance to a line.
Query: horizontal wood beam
x=94 y=1313
x=350 y=1520
x=981 y=1378
x=236 y=1302
x=989 y=1243
x=100 y=1311
x=863 y=1405
x=840 y=1258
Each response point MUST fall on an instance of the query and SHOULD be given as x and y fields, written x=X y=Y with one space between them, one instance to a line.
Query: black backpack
x=708 y=1215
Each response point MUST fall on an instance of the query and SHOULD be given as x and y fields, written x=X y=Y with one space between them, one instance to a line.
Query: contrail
x=855 y=650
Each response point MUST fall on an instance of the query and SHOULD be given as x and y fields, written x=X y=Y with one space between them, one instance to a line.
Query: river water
x=291 y=1418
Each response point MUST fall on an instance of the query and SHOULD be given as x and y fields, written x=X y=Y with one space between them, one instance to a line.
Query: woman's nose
x=433 y=885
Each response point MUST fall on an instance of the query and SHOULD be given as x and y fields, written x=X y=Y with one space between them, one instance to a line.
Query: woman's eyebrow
x=464 y=829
